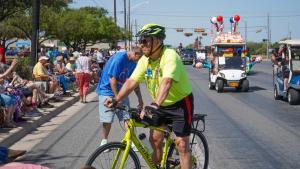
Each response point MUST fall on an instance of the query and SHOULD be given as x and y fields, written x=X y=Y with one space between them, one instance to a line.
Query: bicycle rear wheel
x=105 y=156
x=199 y=148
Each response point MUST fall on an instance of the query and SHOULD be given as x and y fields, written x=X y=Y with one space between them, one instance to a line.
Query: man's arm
x=137 y=91
x=126 y=89
x=163 y=90
x=10 y=69
x=113 y=85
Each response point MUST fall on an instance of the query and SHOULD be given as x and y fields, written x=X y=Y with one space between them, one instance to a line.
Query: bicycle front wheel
x=199 y=149
x=110 y=156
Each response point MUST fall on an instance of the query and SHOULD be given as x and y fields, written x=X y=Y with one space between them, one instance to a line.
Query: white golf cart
x=228 y=68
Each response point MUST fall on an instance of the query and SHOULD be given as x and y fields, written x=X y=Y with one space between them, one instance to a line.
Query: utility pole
x=268 y=36
x=115 y=11
x=129 y=24
x=246 y=29
x=125 y=26
x=35 y=30
x=289 y=32
x=136 y=40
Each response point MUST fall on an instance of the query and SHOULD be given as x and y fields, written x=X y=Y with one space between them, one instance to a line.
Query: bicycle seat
x=197 y=117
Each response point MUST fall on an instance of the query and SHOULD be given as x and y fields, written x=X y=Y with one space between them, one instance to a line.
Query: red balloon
x=219 y=18
x=236 y=18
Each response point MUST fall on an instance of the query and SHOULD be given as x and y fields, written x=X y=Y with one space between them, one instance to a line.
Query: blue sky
x=189 y=14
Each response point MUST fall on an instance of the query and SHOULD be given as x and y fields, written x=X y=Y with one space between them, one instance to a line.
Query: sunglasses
x=138 y=53
x=144 y=41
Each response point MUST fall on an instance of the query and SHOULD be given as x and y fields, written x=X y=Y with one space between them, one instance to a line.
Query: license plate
x=233 y=84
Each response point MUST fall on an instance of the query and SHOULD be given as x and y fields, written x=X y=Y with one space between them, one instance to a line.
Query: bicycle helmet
x=152 y=30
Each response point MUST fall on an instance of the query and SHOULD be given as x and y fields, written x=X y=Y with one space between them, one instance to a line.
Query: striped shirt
x=83 y=64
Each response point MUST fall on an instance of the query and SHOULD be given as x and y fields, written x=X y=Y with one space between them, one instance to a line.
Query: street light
x=188 y=34
x=179 y=29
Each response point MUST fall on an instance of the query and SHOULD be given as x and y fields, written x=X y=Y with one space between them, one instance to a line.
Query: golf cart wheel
x=211 y=86
x=276 y=95
x=219 y=85
x=293 y=96
x=245 y=85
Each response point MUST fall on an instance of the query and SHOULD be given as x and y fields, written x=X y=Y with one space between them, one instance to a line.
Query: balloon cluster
x=234 y=20
x=217 y=20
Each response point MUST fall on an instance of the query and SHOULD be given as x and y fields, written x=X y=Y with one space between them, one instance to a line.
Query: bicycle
x=120 y=154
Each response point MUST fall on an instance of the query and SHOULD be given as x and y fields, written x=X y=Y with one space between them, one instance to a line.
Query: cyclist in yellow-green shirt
x=167 y=81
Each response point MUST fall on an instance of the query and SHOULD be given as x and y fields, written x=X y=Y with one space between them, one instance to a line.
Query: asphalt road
x=244 y=130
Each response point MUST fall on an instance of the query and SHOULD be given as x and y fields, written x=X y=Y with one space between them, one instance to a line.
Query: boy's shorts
x=107 y=115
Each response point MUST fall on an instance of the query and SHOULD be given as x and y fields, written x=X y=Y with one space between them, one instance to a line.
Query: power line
x=206 y=16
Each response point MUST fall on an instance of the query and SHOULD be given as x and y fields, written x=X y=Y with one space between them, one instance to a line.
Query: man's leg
x=182 y=144
x=106 y=116
x=105 y=130
x=156 y=139
x=285 y=80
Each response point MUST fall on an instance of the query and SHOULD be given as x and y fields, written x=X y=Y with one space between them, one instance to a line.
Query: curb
x=9 y=137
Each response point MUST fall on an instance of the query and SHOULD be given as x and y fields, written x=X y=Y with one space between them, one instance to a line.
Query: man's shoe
x=103 y=142
x=13 y=154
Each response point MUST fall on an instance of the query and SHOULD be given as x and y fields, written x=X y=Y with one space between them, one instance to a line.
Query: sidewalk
x=9 y=136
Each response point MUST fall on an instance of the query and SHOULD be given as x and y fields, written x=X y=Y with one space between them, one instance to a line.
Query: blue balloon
x=231 y=20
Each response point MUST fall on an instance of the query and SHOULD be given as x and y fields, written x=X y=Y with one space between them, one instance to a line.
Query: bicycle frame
x=131 y=137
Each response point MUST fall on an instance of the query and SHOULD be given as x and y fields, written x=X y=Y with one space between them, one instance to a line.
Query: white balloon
x=213 y=19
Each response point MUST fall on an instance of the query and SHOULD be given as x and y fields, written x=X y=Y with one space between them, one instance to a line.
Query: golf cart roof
x=294 y=42
x=229 y=39
x=228 y=44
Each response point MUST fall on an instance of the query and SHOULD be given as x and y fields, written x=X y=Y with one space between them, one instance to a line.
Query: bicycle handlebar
x=151 y=117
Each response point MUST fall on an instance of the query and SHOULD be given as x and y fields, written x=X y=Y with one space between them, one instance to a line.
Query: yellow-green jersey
x=169 y=65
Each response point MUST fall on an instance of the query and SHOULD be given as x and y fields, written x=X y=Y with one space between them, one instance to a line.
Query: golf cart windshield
x=234 y=62
x=295 y=54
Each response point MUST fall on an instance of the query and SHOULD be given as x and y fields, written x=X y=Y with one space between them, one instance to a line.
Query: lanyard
x=149 y=75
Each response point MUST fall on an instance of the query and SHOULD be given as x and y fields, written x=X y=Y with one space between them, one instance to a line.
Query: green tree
x=9 y=34
x=10 y=7
x=79 y=28
x=16 y=15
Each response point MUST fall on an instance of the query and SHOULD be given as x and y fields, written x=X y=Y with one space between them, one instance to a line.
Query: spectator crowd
x=57 y=74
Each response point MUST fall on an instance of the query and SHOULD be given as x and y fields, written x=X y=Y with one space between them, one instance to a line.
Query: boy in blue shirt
x=116 y=71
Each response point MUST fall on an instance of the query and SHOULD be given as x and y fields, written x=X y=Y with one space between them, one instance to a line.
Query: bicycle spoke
x=110 y=157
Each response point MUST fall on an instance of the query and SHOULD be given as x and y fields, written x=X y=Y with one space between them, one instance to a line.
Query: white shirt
x=83 y=64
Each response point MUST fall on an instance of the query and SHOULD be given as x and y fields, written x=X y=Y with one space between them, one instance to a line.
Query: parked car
x=187 y=55
x=11 y=52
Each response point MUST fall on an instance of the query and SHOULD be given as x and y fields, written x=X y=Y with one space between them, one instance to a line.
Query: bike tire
x=198 y=162
x=103 y=157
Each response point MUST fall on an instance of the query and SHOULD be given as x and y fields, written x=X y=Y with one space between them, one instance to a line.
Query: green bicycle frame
x=131 y=137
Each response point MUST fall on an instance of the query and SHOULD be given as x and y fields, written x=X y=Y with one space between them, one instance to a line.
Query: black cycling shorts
x=180 y=115
x=286 y=74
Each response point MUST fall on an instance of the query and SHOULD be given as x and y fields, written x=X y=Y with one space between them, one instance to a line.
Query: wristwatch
x=154 y=104
x=114 y=102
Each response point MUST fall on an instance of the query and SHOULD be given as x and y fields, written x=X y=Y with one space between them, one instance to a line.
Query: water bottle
x=146 y=142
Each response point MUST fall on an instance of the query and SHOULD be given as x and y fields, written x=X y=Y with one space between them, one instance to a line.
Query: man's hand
x=147 y=111
x=14 y=62
x=108 y=102
x=111 y=102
